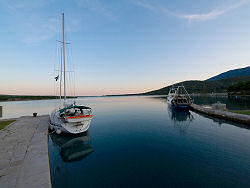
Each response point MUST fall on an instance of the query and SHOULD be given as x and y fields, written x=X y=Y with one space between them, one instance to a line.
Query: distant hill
x=217 y=84
x=197 y=86
x=232 y=73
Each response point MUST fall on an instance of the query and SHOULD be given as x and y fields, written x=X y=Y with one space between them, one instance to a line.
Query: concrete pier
x=222 y=114
x=24 y=160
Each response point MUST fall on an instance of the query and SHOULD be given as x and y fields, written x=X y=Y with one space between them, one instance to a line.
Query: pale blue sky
x=121 y=46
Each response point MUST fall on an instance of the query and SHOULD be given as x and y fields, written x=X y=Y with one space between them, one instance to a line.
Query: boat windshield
x=75 y=111
x=73 y=107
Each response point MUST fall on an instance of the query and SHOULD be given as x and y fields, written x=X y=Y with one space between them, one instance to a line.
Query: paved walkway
x=24 y=160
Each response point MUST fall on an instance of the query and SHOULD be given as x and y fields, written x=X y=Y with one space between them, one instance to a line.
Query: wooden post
x=1 y=111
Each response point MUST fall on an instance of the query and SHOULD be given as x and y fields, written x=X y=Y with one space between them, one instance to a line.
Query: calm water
x=139 y=142
x=14 y=109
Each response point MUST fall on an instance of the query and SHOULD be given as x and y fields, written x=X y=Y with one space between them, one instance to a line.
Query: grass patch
x=246 y=112
x=5 y=123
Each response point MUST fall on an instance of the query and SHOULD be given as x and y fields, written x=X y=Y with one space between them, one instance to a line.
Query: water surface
x=140 y=142
x=15 y=109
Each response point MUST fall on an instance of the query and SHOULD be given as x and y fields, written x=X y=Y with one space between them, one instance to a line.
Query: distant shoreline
x=191 y=94
x=8 y=98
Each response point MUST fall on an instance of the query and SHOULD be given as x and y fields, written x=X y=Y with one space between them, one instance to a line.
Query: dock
x=222 y=114
x=24 y=160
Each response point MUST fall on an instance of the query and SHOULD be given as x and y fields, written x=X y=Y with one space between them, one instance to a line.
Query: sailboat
x=69 y=118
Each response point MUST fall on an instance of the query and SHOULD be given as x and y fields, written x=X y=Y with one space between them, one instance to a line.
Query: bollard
x=219 y=106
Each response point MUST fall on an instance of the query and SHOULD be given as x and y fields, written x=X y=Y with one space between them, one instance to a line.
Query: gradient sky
x=120 y=46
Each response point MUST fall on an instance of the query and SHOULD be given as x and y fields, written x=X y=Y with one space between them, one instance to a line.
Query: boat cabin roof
x=79 y=107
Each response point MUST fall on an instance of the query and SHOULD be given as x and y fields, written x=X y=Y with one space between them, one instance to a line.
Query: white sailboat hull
x=77 y=126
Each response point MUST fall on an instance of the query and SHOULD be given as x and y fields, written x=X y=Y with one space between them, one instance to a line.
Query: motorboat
x=178 y=98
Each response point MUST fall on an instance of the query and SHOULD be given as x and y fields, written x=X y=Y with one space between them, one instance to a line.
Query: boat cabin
x=75 y=111
x=179 y=96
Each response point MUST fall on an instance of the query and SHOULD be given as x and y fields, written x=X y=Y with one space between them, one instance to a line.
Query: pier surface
x=24 y=160
x=222 y=114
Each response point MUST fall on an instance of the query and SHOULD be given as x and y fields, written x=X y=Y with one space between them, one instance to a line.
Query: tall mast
x=61 y=76
x=63 y=57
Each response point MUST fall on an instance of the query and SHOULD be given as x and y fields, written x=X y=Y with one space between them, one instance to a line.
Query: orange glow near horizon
x=79 y=92
x=47 y=87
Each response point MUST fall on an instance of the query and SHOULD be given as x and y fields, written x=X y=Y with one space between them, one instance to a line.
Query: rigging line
x=57 y=67
x=71 y=84
x=54 y=84
x=56 y=91
x=63 y=56
x=74 y=74
x=70 y=81
x=68 y=60
x=68 y=85
x=58 y=64
x=65 y=71
x=69 y=67
x=62 y=42
x=74 y=84
x=60 y=74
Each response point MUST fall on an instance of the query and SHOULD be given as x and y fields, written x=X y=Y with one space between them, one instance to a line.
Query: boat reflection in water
x=181 y=119
x=73 y=147
x=64 y=150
